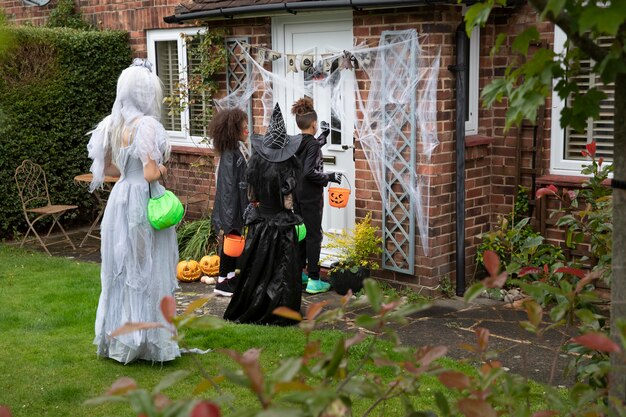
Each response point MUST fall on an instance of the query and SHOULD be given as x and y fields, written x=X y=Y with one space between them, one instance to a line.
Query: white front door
x=318 y=34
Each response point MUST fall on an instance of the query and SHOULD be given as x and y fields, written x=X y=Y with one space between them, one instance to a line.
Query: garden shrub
x=516 y=243
x=55 y=85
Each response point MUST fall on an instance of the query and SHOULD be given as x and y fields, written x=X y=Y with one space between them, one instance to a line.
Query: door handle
x=346 y=147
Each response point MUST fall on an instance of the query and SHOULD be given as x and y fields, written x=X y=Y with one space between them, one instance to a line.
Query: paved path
x=449 y=322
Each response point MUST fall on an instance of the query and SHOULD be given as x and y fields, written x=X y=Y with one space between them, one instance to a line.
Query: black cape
x=270 y=275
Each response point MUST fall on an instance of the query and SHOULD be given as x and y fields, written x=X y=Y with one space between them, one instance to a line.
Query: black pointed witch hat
x=276 y=145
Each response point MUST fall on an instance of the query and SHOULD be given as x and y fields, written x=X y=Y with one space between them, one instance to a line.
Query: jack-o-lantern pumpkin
x=210 y=265
x=338 y=197
x=188 y=271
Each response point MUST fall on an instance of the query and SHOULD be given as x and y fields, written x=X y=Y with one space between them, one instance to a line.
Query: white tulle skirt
x=138 y=270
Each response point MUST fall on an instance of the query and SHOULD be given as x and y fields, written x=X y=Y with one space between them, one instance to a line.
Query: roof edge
x=294 y=7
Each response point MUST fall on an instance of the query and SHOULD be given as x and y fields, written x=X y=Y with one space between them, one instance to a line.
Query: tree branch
x=563 y=20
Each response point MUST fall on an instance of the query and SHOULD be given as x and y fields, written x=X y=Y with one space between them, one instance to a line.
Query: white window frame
x=558 y=164
x=181 y=137
x=471 y=125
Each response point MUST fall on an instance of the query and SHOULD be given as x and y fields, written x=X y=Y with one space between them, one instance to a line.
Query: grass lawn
x=48 y=365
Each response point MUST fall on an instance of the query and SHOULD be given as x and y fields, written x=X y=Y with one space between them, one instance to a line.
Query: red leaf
x=552 y=188
x=122 y=386
x=572 y=271
x=544 y=191
x=476 y=408
x=205 y=409
x=528 y=270
x=596 y=341
x=287 y=313
x=315 y=309
x=600 y=161
x=486 y=367
x=357 y=338
x=249 y=361
x=427 y=355
x=4 y=411
x=453 y=379
x=584 y=153
x=133 y=327
x=483 y=337
x=592 y=276
x=591 y=148
x=496 y=281
x=161 y=401
x=168 y=308
x=492 y=262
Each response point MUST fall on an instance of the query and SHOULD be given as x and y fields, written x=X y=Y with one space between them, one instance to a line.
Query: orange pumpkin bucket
x=338 y=196
x=233 y=245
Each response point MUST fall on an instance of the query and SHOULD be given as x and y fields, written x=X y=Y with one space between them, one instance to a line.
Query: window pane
x=167 y=70
x=198 y=102
x=600 y=130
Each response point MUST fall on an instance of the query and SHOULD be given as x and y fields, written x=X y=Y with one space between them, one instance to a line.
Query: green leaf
x=554 y=7
x=604 y=20
x=206 y=323
x=362 y=388
x=335 y=360
x=367 y=322
x=523 y=40
x=287 y=370
x=474 y=291
x=169 y=380
x=498 y=44
x=476 y=15
x=374 y=293
x=559 y=311
x=442 y=403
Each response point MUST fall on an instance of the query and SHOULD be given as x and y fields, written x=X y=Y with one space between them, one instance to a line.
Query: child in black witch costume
x=269 y=272
x=310 y=192
x=228 y=128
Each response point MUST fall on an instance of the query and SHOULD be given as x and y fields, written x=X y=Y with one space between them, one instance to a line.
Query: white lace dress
x=138 y=262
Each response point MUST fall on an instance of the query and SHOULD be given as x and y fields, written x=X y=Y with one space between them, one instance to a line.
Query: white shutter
x=600 y=130
x=198 y=102
x=167 y=70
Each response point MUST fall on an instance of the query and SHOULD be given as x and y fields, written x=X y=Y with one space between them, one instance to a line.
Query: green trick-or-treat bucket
x=165 y=211
x=300 y=231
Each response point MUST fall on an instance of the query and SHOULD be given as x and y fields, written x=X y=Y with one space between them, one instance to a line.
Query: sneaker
x=226 y=288
x=316 y=286
x=305 y=278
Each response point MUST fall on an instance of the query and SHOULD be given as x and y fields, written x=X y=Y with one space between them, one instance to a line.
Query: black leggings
x=227 y=264
x=311 y=246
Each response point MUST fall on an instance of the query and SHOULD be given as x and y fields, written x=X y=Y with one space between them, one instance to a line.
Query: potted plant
x=355 y=250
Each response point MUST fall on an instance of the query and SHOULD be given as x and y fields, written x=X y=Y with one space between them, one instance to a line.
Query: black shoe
x=226 y=288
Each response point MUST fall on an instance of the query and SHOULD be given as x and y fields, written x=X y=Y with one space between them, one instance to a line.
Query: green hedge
x=55 y=85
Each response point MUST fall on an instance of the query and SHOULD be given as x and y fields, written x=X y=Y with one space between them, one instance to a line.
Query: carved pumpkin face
x=210 y=265
x=188 y=271
x=338 y=197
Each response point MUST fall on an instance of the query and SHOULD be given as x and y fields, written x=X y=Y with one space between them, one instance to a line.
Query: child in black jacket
x=309 y=193
x=227 y=129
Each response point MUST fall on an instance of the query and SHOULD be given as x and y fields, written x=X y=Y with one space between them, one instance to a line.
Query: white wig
x=139 y=94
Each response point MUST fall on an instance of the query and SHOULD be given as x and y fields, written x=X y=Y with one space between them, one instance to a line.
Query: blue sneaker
x=305 y=278
x=316 y=286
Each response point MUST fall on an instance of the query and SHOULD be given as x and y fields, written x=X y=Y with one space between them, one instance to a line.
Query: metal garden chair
x=33 y=191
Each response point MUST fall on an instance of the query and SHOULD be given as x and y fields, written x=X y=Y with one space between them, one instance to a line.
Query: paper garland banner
x=291 y=63
x=306 y=62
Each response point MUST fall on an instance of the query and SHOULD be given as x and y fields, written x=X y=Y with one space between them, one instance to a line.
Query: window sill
x=477 y=140
x=565 y=180
x=192 y=150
